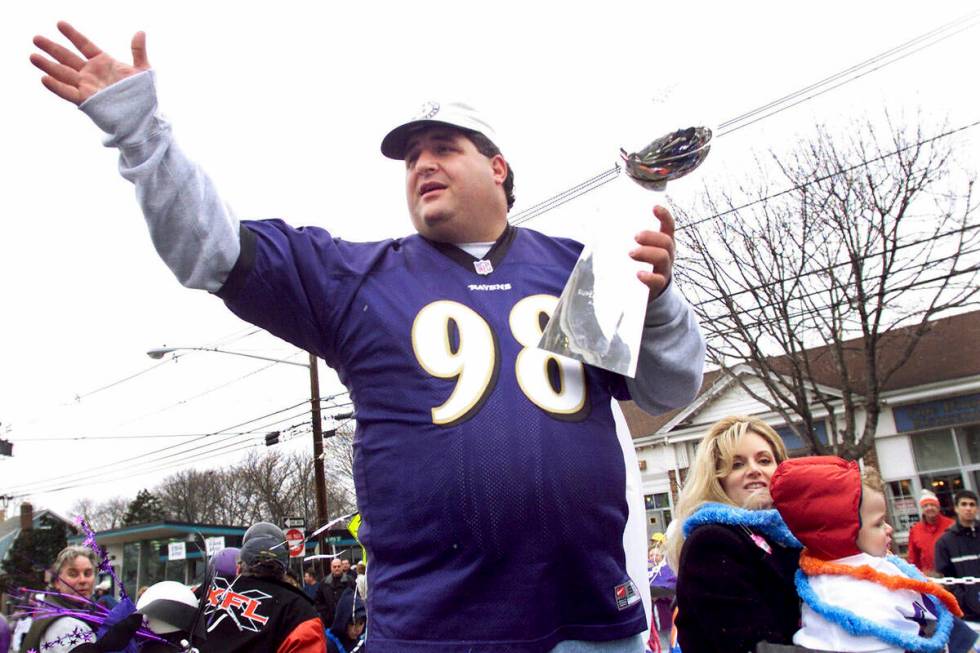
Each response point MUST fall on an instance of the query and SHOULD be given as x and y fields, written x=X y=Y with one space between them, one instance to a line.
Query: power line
x=810 y=97
x=871 y=255
x=148 y=466
x=113 y=384
x=612 y=173
x=723 y=128
x=164 y=449
x=828 y=176
x=224 y=449
x=148 y=436
x=809 y=312
x=566 y=196
x=139 y=469
x=233 y=338
x=236 y=336
x=132 y=469
x=99 y=481
x=186 y=400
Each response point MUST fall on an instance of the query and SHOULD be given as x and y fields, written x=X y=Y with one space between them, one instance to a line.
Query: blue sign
x=941 y=412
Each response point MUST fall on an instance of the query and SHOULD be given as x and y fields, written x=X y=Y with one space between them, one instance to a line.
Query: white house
x=928 y=434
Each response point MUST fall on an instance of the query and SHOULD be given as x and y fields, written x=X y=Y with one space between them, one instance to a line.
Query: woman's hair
x=67 y=556
x=712 y=462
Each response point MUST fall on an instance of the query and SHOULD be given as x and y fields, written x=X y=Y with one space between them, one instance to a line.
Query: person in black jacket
x=258 y=610
x=734 y=556
x=350 y=618
x=329 y=591
x=957 y=553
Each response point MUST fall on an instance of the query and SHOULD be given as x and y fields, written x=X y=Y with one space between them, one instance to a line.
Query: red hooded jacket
x=922 y=541
x=819 y=498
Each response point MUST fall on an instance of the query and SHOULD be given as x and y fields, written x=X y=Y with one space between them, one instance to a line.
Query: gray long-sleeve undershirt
x=197 y=236
x=194 y=232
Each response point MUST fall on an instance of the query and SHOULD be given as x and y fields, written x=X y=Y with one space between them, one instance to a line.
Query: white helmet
x=169 y=607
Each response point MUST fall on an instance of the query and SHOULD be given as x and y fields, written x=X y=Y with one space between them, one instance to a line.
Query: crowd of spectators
x=251 y=601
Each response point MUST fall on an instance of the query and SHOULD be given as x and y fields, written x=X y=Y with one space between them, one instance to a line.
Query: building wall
x=929 y=440
x=734 y=401
x=933 y=443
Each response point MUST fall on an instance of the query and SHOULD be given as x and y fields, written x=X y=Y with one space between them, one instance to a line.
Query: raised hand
x=76 y=78
x=657 y=249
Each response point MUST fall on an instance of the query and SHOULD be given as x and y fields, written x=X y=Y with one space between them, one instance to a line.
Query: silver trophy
x=596 y=320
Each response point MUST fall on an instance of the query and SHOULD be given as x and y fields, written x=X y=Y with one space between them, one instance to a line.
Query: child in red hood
x=856 y=597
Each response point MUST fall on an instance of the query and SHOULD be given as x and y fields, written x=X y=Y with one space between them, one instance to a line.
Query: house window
x=947 y=459
x=902 y=508
x=658 y=512
x=794 y=443
x=658 y=501
x=968 y=439
x=934 y=450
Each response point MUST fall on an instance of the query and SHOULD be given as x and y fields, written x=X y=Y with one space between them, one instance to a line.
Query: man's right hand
x=77 y=78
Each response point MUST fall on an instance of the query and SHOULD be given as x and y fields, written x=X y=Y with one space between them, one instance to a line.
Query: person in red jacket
x=923 y=534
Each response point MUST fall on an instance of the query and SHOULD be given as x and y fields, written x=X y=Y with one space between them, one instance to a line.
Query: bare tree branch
x=824 y=291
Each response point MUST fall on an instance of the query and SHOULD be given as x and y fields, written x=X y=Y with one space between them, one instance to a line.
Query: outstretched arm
x=194 y=232
x=77 y=78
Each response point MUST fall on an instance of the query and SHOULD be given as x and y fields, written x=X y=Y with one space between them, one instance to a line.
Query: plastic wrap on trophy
x=599 y=316
x=585 y=328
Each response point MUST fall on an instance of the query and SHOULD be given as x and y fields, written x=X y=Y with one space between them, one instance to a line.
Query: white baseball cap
x=454 y=114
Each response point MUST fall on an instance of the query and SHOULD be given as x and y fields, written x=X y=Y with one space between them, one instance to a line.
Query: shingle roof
x=10 y=528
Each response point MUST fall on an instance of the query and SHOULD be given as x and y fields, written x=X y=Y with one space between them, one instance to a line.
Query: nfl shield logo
x=483 y=267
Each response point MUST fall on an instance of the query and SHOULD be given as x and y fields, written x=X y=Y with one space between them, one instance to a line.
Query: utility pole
x=273 y=437
x=320 y=481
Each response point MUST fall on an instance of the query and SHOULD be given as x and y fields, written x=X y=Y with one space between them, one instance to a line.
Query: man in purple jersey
x=490 y=475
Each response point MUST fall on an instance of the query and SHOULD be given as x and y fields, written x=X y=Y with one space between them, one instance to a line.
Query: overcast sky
x=285 y=108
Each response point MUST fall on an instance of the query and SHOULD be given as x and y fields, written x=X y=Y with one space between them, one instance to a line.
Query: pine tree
x=144 y=509
x=32 y=552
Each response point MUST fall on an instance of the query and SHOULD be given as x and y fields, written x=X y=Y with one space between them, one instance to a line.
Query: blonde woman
x=734 y=555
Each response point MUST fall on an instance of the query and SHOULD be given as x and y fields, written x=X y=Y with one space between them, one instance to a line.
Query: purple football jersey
x=488 y=472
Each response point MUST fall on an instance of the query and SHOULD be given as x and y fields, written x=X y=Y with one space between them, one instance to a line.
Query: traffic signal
x=329 y=433
x=271 y=438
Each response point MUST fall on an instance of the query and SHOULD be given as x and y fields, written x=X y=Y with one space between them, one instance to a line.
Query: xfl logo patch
x=241 y=607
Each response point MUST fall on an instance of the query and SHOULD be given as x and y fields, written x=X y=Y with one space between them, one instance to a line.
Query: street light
x=318 y=473
x=160 y=352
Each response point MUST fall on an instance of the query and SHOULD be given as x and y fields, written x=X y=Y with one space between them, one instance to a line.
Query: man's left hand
x=657 y=249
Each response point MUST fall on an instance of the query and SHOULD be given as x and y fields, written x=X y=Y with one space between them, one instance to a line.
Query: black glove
x=116 y=637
